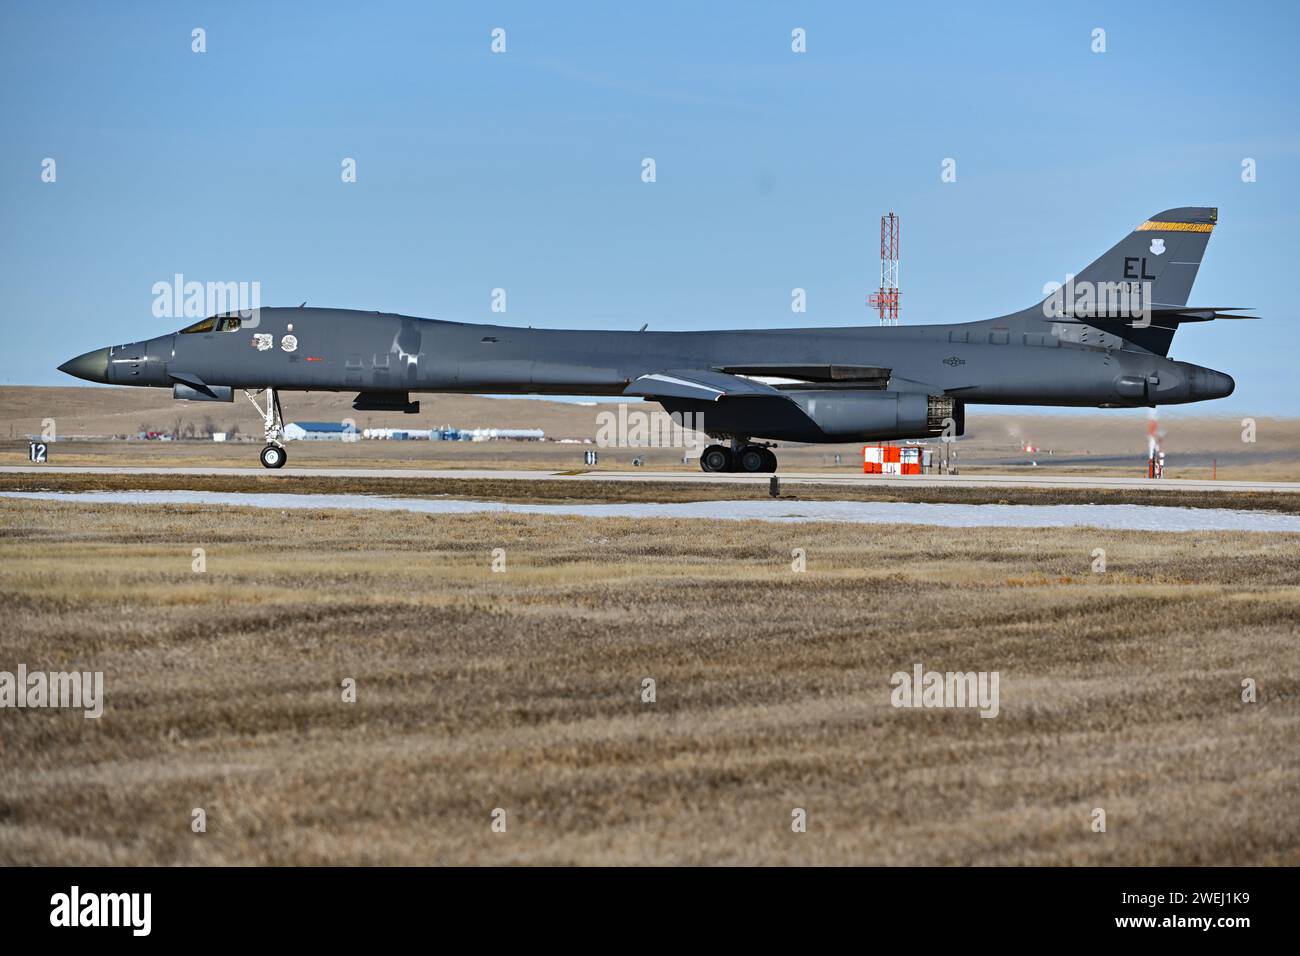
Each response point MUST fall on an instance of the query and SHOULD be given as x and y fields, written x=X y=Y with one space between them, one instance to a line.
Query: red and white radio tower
x=886 y=299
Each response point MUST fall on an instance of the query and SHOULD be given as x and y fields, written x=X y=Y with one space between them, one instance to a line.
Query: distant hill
x=91 y=411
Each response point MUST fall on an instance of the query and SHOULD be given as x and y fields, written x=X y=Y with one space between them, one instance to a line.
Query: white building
x=319 y=431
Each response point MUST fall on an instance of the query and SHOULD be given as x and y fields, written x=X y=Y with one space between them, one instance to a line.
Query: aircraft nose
x=92 y=366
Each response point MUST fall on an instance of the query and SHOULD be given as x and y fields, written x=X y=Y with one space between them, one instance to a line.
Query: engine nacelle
x=881 y=415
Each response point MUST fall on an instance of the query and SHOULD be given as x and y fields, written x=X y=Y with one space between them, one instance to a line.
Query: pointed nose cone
x=93 y=366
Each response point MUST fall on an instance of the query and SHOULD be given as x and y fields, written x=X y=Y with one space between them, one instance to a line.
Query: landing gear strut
x=273 y=455
x=743 y=456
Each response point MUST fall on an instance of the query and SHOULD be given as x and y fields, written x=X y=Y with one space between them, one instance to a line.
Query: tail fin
x=1158 y=260
x=1165 y=250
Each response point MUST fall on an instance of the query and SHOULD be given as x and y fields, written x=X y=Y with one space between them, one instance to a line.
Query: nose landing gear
x=743 y=456
x=273 y=455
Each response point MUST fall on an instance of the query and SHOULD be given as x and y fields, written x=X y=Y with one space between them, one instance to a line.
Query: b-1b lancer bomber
x=1102 y=340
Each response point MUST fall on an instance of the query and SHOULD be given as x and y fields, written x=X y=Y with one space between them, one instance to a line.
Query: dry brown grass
x=520 y=690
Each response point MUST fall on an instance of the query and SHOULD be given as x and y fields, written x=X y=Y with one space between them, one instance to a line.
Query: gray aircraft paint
x=858 y=383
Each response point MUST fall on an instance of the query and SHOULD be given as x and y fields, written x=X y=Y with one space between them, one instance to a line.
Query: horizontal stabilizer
x=1201 y=313
x=1151 y=329
x=1160 y=314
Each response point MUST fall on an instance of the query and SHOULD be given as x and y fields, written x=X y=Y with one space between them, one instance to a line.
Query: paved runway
x=787 y=478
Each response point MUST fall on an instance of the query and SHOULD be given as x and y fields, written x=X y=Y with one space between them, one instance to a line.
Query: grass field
x=521 y=690
x=561 y=491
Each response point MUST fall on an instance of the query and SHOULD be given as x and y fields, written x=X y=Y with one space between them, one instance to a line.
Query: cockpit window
x=203 y=325
x=215 y=323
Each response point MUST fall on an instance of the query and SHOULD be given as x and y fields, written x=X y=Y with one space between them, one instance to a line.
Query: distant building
x=447 y=433
x=400 y=434
x=319 y=431
x=508 y=434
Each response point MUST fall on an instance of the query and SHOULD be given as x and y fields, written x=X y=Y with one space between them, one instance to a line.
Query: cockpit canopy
x=213 y=323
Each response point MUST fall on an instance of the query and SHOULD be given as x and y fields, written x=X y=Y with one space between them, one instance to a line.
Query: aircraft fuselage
x=342 y=350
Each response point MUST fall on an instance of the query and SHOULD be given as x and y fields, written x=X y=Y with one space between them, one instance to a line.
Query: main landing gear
x=273 y=455
x=742 y=456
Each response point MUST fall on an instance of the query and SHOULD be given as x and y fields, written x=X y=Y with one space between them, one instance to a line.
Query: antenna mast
x=886 y=298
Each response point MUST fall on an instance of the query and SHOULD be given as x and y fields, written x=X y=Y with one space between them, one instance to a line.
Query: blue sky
x=522 y=170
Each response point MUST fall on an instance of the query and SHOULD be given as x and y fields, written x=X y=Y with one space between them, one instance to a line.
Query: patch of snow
x=1116 y=517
